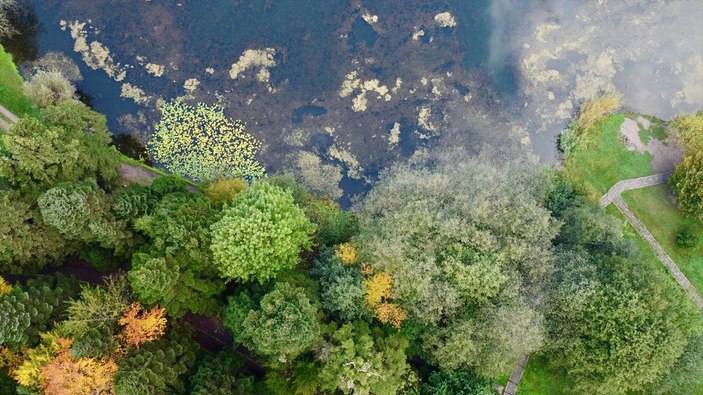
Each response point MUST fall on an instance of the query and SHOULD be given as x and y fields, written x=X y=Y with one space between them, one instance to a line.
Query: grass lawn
x=11 y=95
x=600 y=159
x=539 y=380
x=664 y=220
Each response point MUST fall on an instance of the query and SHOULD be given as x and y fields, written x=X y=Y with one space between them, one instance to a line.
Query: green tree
x=81 y=211
x=284 y=326
x=686 y=374
x=180 y=224
x=178 y=272
x=589 y=227
x=97 y=307
x=454 y=236
x=359 y=361
x=615 y=325
x=98 y=342
x=687 y=131
x=27 y=244
x=687 y=183
x=334 y=225
x=221 y=374
x=202 y=144
x=159 y=368
x=237 y=309
x=169 y=283
x=342 y=291
x=70 y=145
x=491 y=344
x=260 y=234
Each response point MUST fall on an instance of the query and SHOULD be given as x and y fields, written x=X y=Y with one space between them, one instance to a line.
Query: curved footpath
x=613 y=196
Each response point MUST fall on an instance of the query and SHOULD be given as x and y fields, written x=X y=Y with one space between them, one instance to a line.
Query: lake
x=338 y=90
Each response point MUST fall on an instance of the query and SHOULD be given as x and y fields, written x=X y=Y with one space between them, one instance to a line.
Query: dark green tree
x=284 y=326
x=342 y=291
x=158 y=368
x=81 y=211
x=221 y=374
x=29 y=310
x=178 y=272
x=27 y=244
x=169 y=283
x=617 y=325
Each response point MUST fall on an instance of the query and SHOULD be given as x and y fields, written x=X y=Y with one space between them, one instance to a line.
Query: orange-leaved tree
x=141 y=325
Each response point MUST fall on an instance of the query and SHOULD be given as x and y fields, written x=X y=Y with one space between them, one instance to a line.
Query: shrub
x=260 y=234
x=47 y=88
x=451 y=383
x=222 y=192
x=200 y=143
x=593 y=110
x=686 y=237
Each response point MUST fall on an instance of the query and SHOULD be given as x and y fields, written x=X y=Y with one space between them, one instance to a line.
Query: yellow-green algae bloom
x=200 y=143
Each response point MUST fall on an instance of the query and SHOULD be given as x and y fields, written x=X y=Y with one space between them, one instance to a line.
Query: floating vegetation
x=200 y=143
x=251 y=58
x=95 y=55
x=156 y=70
x=445 y=19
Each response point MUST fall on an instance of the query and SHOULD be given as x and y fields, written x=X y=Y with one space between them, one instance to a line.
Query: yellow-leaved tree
x=65 y=375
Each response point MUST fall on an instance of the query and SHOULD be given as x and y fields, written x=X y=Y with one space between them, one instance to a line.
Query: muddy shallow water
x=337 y=90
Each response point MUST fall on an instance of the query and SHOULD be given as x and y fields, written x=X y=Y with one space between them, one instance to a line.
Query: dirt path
x=613 y=196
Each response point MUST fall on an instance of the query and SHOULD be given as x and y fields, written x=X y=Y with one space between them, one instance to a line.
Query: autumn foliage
x=5 y=288
x=391 y=313
x=141 y=325
x=346 y=253
x=378 y=288
x=65 y=375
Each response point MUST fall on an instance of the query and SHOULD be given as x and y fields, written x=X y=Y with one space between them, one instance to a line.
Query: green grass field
x=538 y=379
x=653 y=206
x=11 y=95
x=600 y=159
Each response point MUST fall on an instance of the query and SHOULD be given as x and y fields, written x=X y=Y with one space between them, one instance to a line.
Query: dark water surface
x=469 y=78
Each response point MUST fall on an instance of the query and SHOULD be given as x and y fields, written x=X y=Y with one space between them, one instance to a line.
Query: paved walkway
x=511 y=387
x=632 y=183
x=6 y=118
x=613 y=196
